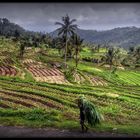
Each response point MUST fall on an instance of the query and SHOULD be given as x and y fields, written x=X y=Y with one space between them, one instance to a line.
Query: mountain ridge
x=121 y=36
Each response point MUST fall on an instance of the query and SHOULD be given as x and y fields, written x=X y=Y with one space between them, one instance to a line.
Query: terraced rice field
x=129 y=77
x=93 y=80
x=96 y=81
x=51 y=99
x=42 y=73
x=6 y=70
x=7 y=67
x=122 y=77
x=110 y=102
x=8 y=61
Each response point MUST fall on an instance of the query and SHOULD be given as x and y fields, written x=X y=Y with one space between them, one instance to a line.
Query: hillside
x=123 y=37
x=7 y=28
x=34 y=93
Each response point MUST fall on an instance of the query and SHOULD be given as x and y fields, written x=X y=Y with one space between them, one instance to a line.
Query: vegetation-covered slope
x=123 y=37
x=26 y=102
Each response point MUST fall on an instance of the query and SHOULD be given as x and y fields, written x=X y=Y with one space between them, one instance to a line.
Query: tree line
x=68 y=43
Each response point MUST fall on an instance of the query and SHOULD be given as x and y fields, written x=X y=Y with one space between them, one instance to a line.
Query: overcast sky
x=96 y=16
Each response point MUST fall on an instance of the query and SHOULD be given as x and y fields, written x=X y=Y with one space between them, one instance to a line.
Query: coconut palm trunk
x=111 y=66
x=67 y=27
x=65 y=59
x=76 y=42
x=76 y=60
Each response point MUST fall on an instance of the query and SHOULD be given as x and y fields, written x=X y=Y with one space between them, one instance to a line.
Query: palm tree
x=131 y=50
x=136 y=56
x=133 y=56
x=17 y=35
x=67 y=28
x=25 y=41
x=112 y=57
x=76 y=42
x=22 y=47
x=60 y=45
x=98 y=47
x=137 y=53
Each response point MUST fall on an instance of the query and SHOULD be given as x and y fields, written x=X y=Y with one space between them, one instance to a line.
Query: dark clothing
x=82 y=116
x=82 y=119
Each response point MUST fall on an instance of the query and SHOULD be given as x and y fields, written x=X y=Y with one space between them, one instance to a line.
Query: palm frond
x=59 y=23
x=60 y=31
x=74 y=26
x=93 y=117
x=73 y=20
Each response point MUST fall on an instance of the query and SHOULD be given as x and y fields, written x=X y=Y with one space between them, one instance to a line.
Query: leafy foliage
x=124 y=37
x=92 y=115
x=76 y=41
x=67 y=28
x=112 y=57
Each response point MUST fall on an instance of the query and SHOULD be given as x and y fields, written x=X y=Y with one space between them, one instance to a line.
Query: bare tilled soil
x=23 y=132
x=42 y=73
x=7 y=71
x=30 y=98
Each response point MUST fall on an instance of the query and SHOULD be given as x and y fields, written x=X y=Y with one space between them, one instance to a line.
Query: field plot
x=118 y=107
x=7 y=67
x=96 y=81
x=6 y=70
x=129 y=77
x=44 y=74
x=37 y=90
x=93 y=80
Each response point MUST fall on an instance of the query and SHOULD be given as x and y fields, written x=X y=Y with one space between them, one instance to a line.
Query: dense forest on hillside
x=121 y=37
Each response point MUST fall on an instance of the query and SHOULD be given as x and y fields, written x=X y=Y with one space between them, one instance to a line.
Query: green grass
x=115 y=112
x=86 y=52
x=118 y=102
x=31 y=117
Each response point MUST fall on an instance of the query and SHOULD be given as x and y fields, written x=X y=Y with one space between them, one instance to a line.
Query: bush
x=69 y=73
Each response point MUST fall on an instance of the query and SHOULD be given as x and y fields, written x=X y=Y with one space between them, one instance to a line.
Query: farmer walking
x=82 y=116
x=88 y=113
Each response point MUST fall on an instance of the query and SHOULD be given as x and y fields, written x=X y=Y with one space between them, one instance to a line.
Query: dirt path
x=11 y=131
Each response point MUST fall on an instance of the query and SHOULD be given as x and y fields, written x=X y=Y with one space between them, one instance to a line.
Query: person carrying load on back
x=82 y=116
x=88 y=113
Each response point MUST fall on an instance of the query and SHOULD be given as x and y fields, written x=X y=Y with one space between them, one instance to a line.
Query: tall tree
x=112 y=57
x=16 y=36
x=60 y=45
x=77 y=43
x=137 y=55
x=67 y=28
x=25 y=41
x=133 y=57
x=131 y=49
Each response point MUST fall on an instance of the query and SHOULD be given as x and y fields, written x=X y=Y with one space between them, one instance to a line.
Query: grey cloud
x=99 y=16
